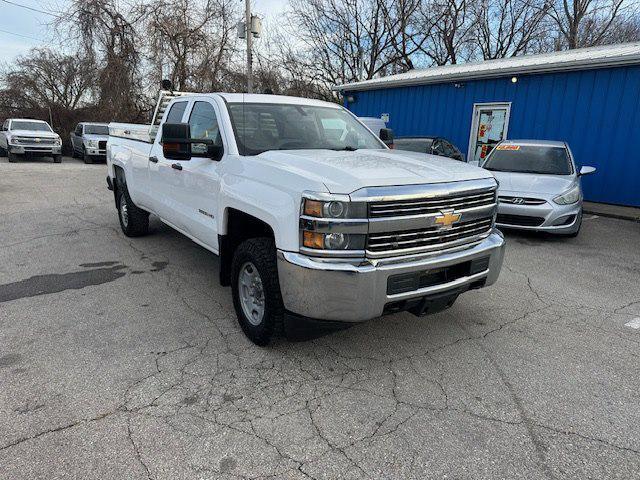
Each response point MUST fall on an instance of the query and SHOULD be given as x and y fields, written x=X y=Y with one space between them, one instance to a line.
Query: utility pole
x=247 y=22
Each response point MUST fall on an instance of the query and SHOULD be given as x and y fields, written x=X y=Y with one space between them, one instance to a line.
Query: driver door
x=198 y=188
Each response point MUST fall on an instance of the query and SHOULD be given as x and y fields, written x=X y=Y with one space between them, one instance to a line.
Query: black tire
x=260 y=253
x=13 y=158
x=57 y=159
x=3 y=152
x=133 y=220
x=86 y=158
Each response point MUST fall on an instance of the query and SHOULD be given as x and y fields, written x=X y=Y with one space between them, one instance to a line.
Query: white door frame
x=475 y=116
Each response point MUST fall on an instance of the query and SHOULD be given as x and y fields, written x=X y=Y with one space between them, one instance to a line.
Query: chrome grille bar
x=429 y=205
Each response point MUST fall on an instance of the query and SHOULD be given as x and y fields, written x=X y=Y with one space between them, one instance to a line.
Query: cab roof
x=277 y=99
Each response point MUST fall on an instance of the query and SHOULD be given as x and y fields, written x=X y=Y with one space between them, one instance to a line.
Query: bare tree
x=449 y=23
x=44 y=82
x=106 y=32
x=193 y=38
x=583 y=23
x=343 y=41
x=506 y=28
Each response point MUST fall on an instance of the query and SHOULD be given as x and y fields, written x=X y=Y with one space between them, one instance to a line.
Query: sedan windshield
x=529 y=159
x=96 y=130
x=260 y=127
x=33 y=126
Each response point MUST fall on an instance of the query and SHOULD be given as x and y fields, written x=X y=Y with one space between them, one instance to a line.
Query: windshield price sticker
x=508 y=147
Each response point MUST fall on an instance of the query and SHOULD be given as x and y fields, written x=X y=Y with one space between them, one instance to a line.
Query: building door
x=489 y=126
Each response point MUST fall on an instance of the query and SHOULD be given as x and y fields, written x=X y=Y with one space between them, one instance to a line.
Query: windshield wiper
x=347 y=148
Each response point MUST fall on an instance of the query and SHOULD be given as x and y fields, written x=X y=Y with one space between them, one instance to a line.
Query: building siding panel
x=595 y=111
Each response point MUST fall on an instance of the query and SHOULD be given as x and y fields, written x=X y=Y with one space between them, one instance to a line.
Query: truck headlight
x=569 y=197
x=333 y=241
x=92 y=143
x=57 y=142
x=334 y=209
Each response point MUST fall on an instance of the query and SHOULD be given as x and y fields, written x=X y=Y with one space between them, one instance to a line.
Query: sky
x=29 y=29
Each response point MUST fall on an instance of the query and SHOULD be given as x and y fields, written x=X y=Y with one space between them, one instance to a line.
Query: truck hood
x=524 y=184
x=90 y=136
x=33 y=134
x=346 y=172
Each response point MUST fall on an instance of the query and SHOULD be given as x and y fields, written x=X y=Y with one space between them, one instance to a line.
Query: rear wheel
x=256 y=290
x=133 y=220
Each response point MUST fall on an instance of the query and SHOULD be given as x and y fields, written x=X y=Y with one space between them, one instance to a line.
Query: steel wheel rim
x=251 y=293
x=124 y=211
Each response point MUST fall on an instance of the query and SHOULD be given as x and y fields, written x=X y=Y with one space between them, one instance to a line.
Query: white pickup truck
x=311 y=214
x=24 y=137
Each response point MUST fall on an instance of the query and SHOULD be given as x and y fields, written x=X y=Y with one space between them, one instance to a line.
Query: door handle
x=177 y=166
x=153 y=159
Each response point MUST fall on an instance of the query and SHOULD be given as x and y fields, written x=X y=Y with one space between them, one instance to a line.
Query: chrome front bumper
x=329 y=289
x=35 y=149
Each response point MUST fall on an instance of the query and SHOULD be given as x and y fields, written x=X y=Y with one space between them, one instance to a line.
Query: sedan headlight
x=92 y=143
x=569 y=197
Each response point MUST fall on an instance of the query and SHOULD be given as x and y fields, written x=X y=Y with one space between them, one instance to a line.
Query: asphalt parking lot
x=122 y=359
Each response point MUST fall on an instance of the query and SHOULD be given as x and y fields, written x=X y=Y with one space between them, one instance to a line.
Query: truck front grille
x=423 y=206
x=429 y=238
x=34 y=141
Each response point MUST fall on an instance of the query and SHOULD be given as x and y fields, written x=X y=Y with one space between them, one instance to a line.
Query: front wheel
x=57 y=159
x=12 y=157
x=256 y=290
x=86 y=158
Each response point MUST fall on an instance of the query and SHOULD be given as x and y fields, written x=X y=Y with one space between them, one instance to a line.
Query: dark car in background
x=431 y=145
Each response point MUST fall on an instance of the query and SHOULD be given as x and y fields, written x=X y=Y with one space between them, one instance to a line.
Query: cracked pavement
x=122 y=359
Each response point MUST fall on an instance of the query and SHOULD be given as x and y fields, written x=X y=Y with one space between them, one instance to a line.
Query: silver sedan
x=539 y=186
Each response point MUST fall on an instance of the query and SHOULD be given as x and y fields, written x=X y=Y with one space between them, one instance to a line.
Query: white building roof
x=578 y=59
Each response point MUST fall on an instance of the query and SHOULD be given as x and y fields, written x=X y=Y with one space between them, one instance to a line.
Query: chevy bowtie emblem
x=37 y=140
x=447 y=219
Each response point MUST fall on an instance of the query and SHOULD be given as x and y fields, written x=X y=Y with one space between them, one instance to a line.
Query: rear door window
x=176 y=112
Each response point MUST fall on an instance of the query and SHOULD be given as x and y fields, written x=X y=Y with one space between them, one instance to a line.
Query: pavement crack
x=61 y=428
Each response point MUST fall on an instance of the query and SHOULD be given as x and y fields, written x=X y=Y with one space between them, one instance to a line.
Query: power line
x=31 y=8
x=20 y=35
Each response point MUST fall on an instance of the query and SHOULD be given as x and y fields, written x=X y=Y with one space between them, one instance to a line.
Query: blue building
x=589 y=98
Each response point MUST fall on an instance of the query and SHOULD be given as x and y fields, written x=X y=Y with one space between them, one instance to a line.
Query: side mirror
x=176 y=141
x=586 y=170
x=215 y=152
x=386 y=135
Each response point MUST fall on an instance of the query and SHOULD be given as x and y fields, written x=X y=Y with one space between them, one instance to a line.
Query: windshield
x=260 y=127
x=421 y=145
x=529 y=159
x=96 y=129
x=26 y=125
